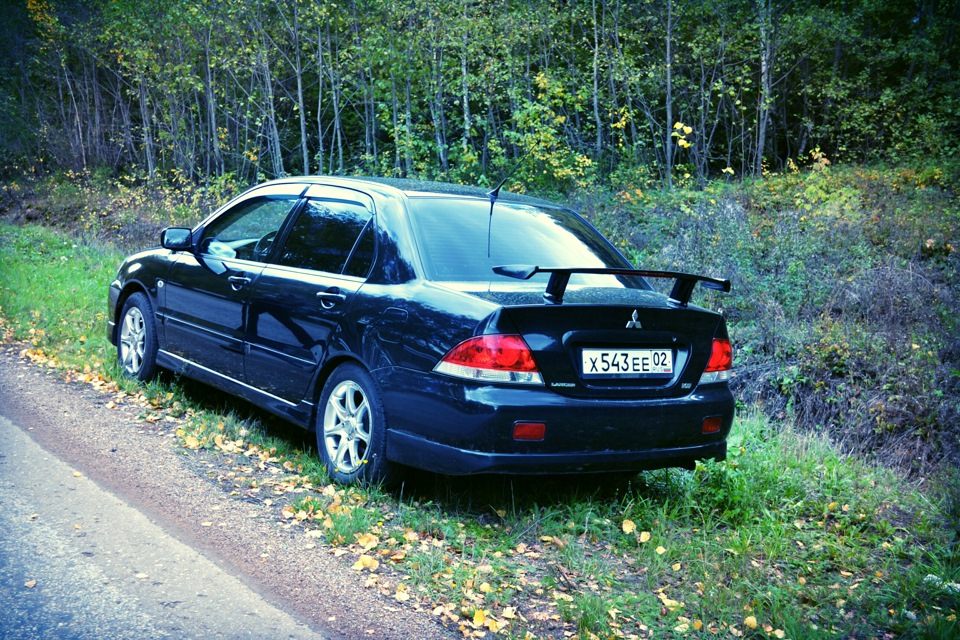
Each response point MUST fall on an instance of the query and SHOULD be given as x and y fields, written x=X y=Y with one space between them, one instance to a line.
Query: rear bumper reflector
x=712 y=424
x=534 y=431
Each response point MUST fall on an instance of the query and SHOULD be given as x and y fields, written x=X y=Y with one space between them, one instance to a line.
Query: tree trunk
x=668 y=132
x=766 y=63
x=147 y=131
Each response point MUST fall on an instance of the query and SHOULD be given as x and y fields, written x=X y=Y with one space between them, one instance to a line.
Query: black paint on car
x=420 y=324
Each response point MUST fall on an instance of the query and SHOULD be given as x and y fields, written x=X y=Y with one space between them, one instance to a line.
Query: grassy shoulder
x=788 y=538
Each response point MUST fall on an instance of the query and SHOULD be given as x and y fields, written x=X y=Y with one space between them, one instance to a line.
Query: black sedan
x=434 y=326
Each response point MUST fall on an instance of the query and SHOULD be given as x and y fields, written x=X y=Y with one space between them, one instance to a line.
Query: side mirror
x=177 y=239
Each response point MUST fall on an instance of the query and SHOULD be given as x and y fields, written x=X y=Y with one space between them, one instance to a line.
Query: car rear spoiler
x=683 y=284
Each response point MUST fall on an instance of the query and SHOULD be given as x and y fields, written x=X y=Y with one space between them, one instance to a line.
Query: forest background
x=630 y=93
x=810 y=151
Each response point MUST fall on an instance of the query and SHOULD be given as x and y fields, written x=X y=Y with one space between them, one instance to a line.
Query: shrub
x=844 y=295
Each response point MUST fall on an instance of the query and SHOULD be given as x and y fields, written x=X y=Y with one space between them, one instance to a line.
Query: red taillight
x=493 y=352
x=720 y=364
x=492 y=358
x=721 y=356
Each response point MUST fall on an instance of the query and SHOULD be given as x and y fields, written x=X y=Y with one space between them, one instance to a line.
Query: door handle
x=238 y=282
x=330 y=298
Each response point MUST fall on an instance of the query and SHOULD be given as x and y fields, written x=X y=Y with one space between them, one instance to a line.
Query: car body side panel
x=141 y=271
x=299 y=413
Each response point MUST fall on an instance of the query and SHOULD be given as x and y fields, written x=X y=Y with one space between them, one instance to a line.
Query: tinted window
x=324 y=236
x=462 y=241
x=247 y=230
x=361 y=259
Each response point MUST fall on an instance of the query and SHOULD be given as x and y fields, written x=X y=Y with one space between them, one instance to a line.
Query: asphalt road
x=151 y=540
x=78 y=562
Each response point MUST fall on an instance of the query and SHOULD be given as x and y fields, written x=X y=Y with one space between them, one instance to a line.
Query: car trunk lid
x=609 y=342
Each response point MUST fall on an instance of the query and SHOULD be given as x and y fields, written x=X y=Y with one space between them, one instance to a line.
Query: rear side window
x=324 y=237
x=461 y=241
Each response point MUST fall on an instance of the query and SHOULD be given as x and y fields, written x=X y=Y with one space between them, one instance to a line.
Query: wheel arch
x=324 y=373
x=128 y=290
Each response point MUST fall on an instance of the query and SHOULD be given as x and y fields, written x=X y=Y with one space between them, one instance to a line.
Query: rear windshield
x=461 y=241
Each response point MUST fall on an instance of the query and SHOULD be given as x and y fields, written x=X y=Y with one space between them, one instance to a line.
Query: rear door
x=297 y=302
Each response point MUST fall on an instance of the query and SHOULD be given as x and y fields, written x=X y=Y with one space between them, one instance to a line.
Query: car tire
x=137 y=338
x=351 y=429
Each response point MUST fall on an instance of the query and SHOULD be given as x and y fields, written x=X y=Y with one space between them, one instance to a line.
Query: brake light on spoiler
x=683 y=285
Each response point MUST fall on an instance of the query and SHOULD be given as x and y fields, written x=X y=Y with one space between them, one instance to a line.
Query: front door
x=206 y=293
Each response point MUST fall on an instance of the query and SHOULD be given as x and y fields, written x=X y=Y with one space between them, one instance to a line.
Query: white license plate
x=626 y=363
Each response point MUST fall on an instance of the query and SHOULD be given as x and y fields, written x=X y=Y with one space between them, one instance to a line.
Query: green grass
x=53 y=294
x=788 y=534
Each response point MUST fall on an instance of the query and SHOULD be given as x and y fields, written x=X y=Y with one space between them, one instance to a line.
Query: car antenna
x=495 y=194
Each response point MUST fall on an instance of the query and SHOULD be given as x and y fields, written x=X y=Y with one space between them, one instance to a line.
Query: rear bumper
x=423 y=454
x=454 y=427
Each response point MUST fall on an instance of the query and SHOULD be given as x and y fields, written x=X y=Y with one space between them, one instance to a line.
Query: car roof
x=416 y=188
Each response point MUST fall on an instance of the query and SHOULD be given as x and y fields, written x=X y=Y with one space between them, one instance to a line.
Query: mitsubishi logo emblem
x=634 y=323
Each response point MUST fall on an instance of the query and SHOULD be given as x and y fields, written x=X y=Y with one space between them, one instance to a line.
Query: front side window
x=246 y=232
x=326 y=234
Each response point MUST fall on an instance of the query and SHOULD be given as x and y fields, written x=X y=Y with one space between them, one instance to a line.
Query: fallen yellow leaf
x=750 y=622
x=644 y=536
x=669 y=603
x=366 y=562
x=629 y=526
x=560 y=544
x=367 y=540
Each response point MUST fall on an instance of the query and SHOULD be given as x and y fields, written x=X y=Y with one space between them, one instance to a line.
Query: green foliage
x=844 y=293
x=64 y=323
x=461 y=90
